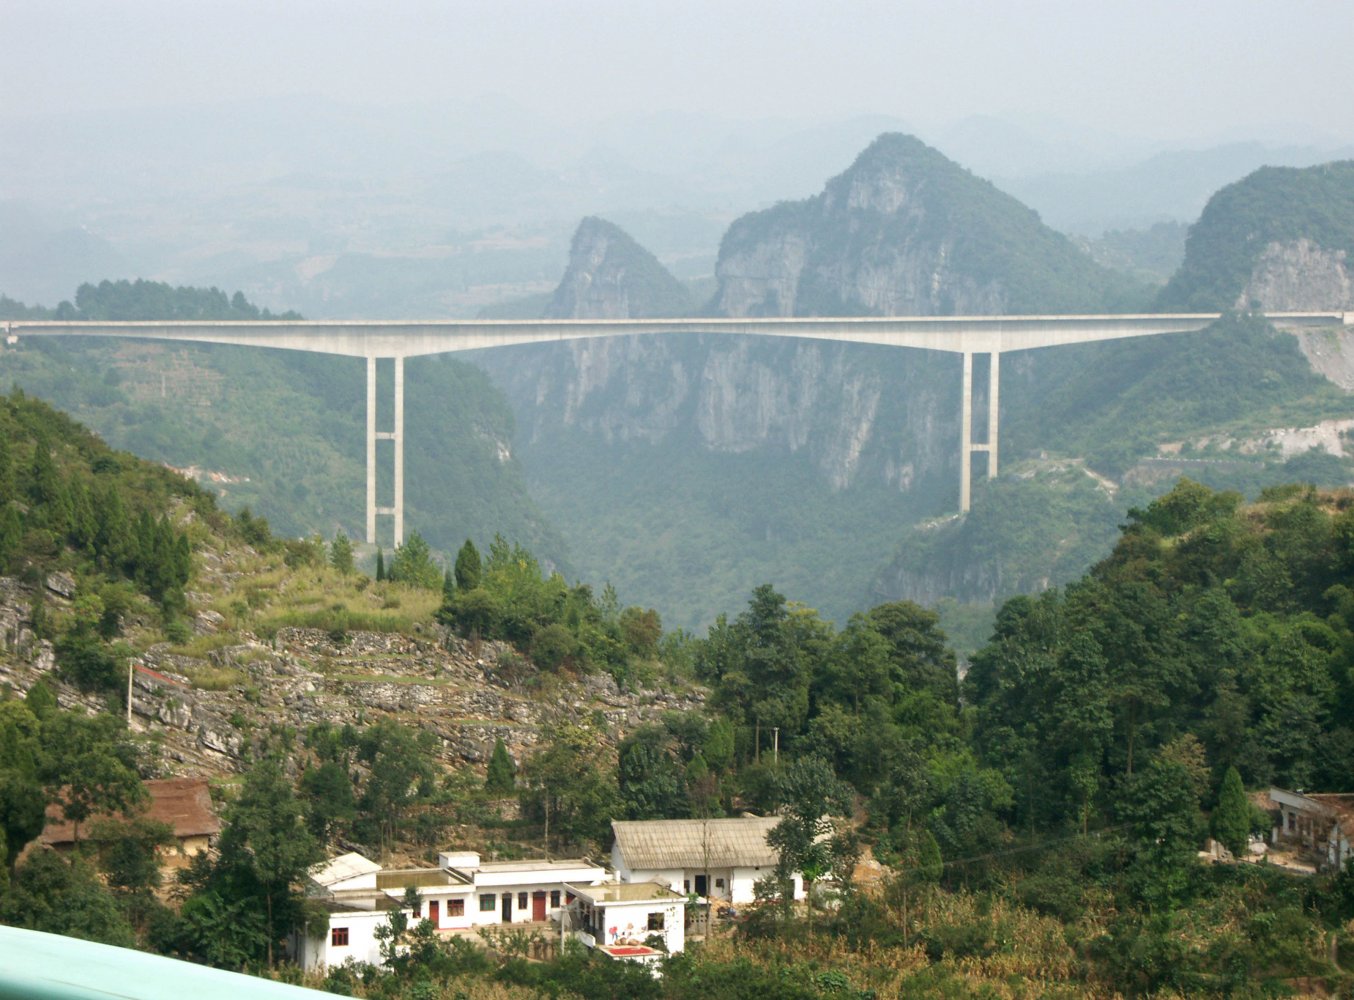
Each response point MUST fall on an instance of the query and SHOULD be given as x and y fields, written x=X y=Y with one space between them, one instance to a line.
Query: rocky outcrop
x=1298 y=276
x=904 y=231
x=204 y=709
x=610 y=276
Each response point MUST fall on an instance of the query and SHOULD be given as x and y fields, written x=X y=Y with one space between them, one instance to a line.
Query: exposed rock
x=1331 y=354
x=1298 y=276
x=208 y=622
x=62 y=584
x=610 y=276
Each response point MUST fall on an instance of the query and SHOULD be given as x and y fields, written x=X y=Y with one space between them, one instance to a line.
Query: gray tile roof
x=695 y=843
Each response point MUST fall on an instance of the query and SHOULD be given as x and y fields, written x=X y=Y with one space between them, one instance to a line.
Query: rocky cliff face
x=854 y=413
x=1296 y=276
x=469 y=695
x=904 y=231
x=610 y=276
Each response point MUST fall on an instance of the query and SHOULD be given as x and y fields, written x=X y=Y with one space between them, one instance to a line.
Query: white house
x=461 y=893
x=712 y=858
x=625 y=920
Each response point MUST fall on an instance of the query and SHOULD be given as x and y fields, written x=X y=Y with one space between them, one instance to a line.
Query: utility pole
x=775 y=749
x=131 y=665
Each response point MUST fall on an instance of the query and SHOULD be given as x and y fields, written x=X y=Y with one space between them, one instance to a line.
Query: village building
x=182 y=804
x=635 y=921
x=462 y=893
x=717 y=859
x=1320 y=823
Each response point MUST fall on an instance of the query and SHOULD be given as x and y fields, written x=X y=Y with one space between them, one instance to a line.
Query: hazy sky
x=1153 y=68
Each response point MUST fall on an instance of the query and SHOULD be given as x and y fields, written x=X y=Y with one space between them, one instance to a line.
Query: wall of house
x=630 y=922
x=362 y=944
x=520 y=915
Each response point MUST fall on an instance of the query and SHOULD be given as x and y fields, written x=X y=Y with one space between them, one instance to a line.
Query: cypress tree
x=1231 y=820
x=380 y=566
x=468 y=567
x=502 y=776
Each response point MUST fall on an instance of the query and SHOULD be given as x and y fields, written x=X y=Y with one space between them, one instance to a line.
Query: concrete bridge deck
x=400 y=339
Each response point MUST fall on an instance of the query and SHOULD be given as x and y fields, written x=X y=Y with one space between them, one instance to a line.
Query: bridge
x=377 y=340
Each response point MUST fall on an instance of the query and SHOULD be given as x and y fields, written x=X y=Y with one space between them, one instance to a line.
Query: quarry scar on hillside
x=377 y=340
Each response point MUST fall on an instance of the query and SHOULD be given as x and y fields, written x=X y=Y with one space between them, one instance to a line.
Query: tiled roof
x=183 y=803
x=696 y=843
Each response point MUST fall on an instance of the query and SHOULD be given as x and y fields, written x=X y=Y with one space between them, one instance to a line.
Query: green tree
x=502 y=776
x=413 y=564
x=399 y=774
x=467 y=567
x=266 y=846
x=341 y=554
x=1231 y=820
x=810 y=795
x=380 y=565
x=570 y=787
x=63 y=895
x=90 y=767
x=330 y=805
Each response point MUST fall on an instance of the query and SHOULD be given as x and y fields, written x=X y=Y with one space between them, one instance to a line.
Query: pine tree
x=1231 y=820
x=468 y=567
x=502 y=777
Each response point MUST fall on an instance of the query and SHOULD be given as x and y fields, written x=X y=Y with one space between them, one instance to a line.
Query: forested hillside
x=1039 y=820
x=1249 y=227
x=282 y=432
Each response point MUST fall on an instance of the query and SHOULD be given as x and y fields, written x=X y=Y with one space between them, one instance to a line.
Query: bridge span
x=399 y=339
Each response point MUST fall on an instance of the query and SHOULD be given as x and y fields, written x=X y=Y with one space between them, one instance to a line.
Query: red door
x=538 y=906
x=433 y=907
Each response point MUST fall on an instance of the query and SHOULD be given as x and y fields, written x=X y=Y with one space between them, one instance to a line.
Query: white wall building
x=713 y=858
x=626 y=920
x=460 y=894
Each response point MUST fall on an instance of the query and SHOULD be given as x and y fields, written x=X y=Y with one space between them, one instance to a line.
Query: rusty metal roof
x=183 y=803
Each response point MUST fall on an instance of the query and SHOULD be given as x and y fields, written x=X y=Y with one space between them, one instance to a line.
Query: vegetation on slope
x=219 y=409
x=1040 y=821
x=1274 y=204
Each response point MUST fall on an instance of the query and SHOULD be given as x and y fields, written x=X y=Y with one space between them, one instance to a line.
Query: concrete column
x=371 y=450
x=993 y=415
x=966 y=435
x=399 y=451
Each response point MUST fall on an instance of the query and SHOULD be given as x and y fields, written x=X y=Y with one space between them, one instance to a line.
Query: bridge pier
x=967 y=446
x=396 y=437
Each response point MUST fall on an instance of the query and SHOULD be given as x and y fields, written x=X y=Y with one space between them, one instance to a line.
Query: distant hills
x=687 y=471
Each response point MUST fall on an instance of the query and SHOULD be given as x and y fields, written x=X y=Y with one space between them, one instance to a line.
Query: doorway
x=507 y=908
x=538 y=906
x=434 y=913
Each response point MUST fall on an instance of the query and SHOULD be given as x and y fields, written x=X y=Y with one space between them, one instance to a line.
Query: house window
x=456 y=907
x=686 y=886
x=487 y=902
x=719 y=883
x=418 y=909
x=655 y=921
x=554 y=898
x=521 y=900
x=338 y=937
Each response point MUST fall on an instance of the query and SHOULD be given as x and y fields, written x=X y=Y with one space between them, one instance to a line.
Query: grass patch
x=213 y=678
